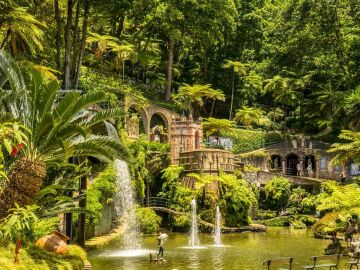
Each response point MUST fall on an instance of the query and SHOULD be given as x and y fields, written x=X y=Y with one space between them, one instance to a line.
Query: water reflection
x=194 y=262
x=241 y=252
x=217 y=258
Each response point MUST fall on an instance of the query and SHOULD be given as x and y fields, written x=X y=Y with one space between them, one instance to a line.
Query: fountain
x=194 y=237
x=125 y=206
x=217 y=231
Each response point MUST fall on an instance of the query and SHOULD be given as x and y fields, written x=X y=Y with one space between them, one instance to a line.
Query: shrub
x=329 y=224
x=277 y=193
x=296 y=198
x=45 y=226
x=181 y=223
x=264 y=214
x=23 y=224
x=237 y=199
x=149 y=221
x=207 y=215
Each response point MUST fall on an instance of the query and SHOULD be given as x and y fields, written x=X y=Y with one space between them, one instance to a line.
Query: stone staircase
x=87 y=266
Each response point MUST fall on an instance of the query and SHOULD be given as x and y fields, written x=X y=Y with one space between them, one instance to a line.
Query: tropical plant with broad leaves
x=250 y=116
x=352 y=107
x=194 y=97
x=217 y=126
x=63 y=126
x=16 y=225
x=12 y=140
x=19 y=29
x=349 y=150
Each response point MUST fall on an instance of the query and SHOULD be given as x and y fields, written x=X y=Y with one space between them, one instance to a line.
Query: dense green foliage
x=24 y=224
x=148 y=220
x=100 y=193
x=277 y=193
x=289 y=65
x=261 y=62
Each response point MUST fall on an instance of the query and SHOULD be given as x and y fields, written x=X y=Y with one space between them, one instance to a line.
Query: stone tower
x=186 y=135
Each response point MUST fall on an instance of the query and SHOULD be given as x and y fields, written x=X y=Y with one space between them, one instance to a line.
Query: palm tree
x=20 y=29
x=109 y=43
x=60 y=130
x=214 y=125
x=195 y=96
x=239 y=69
x=282 y=90
x=250 y=116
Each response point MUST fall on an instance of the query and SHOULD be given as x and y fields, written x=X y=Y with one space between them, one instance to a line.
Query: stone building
x=302 y=157
x=186 y=135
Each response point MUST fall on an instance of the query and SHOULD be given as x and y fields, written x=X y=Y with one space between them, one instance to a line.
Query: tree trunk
x=340 y=47
x=75 y=41
x=232 y=94
x=68 y=226
x=83 y=42
x=121 y=26
x=82 y=216
x=8 y=33
x=212 y=107
x=67 y=45
x=58 y=34
x=205 y=64
x=171 y=45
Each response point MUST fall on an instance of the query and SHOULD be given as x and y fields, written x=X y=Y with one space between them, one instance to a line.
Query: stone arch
x=136 y=121
x=292 y=161
x=159 y=127
x=276 y=163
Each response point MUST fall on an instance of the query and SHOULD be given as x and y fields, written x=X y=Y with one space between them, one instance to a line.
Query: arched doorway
x=134 y=123
x=291 y=164
x=159 y=128
x=276 y=162
x=309 y=165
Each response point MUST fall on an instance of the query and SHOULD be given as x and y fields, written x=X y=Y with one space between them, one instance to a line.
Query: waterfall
x=125 y=205
x=194 y=237
x=217 y=231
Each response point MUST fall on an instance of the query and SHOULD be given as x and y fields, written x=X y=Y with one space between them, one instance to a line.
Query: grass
x=35 y=258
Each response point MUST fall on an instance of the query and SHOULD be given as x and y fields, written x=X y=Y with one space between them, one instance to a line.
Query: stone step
x=87 y=266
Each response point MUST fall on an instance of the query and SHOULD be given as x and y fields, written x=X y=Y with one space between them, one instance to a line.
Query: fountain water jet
x=194 y=236
x=217 y=231
x=125 y=206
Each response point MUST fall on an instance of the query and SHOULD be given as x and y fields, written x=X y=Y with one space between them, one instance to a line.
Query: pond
x=244 y=251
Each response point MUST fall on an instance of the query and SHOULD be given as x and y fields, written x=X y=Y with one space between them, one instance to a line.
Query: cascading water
x=125 y=205
x=194 y=237
x=217 y=231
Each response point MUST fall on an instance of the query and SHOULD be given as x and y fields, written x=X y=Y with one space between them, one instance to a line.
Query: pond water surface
x=244 y=251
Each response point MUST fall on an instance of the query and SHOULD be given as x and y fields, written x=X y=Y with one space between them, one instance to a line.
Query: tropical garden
x=256 y=72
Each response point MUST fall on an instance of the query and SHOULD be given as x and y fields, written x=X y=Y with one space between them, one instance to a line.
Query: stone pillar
x=317 y=161
x=301 y=167
x=283 y=166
